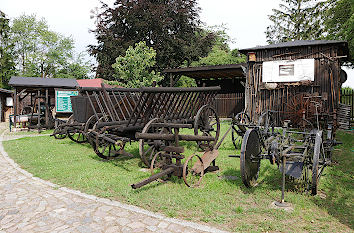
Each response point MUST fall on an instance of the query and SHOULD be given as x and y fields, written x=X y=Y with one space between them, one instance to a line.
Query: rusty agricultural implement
x=301 y=149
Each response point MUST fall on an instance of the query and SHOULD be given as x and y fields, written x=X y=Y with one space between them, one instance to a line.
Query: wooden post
x=171 y=80
x=39 y=111
x=46 y=109
x=15 y=106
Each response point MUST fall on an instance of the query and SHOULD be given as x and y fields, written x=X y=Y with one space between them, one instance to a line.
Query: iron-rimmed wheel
x=249 y=159
x=236 y=133
x=77 y=135
x=57 y=134
x=206 y=123
x=89 y=125
x=158 y=162
x=148 y=148
x=103 y=148
x=193 y=171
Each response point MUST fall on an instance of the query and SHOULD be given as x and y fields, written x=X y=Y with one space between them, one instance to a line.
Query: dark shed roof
x=296 y=43
x=43 y=82
x=218 y=71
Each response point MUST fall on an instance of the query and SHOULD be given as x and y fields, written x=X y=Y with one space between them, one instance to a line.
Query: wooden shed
x=35 y=101
x=6 y=104
x=288 y=77
x=230 y=78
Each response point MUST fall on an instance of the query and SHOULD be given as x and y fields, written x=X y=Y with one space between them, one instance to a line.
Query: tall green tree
x=7 y=64
x=339 y=23
x=220 y=54
x=40 y=51
x=296 y=20
x=135 y=68
x=170 y=27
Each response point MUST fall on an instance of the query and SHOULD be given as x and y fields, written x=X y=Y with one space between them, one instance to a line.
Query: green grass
x=31 y=132
x=225 y=204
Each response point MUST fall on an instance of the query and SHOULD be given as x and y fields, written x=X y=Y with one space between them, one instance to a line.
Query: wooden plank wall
x=228 y=105
x=326 y=83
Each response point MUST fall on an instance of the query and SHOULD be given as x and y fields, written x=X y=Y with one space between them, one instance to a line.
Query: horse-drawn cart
x=110 y=117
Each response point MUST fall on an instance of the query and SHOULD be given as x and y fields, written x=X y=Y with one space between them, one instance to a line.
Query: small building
x=288 y=77
x=37 y=101
x=6 y=104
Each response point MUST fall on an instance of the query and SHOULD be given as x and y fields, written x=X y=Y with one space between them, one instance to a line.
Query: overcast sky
x=246 y=20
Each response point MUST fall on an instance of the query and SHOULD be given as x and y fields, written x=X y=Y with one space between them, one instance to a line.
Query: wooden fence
x=347 y=97
x=229 y=104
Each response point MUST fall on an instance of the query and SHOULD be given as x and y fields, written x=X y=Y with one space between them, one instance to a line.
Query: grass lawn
x=226 y=204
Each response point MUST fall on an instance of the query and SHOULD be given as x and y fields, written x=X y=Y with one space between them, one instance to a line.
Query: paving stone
x=162 y=225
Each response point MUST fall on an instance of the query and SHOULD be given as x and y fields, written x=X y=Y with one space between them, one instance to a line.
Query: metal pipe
x=154 y=177
x=171 y=137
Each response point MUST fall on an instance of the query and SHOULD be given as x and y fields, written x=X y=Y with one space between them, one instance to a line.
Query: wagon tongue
x=293 y=169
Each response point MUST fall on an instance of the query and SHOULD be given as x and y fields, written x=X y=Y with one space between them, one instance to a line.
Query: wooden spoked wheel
x=206 y=123
x=249 y=161
x=193 y=171
x=75 y=134
x=57 y=134
x=237 y=130
x=103 y=148
x=148 y=148
x=89 y=125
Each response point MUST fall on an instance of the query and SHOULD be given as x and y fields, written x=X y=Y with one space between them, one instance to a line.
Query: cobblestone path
x=29 y=204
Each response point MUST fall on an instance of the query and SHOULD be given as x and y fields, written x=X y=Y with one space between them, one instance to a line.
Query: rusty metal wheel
x=193 y=171
x=148 y=148
x=249 y=159
x=206 y=123
x=237 y=129
x=157 y=164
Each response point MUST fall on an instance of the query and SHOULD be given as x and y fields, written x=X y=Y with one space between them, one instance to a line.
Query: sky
x=246 y=20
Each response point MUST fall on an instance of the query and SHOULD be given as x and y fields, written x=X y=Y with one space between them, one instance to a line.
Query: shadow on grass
x=338 y=185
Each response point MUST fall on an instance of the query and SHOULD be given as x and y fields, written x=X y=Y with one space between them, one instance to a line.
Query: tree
x=339 y=23
x=7 y=65
x=40 y=51
x=171 y=27
x=76 y=68
x=220 y=54
x=296 y=20
x=313 y=19
x=134 y=69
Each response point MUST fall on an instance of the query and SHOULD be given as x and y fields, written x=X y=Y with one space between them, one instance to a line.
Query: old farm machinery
x=301 y=150
x=110 y=117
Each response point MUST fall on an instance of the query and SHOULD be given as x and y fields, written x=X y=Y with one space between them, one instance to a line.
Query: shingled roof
x=43 y=82
x=295 y=43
